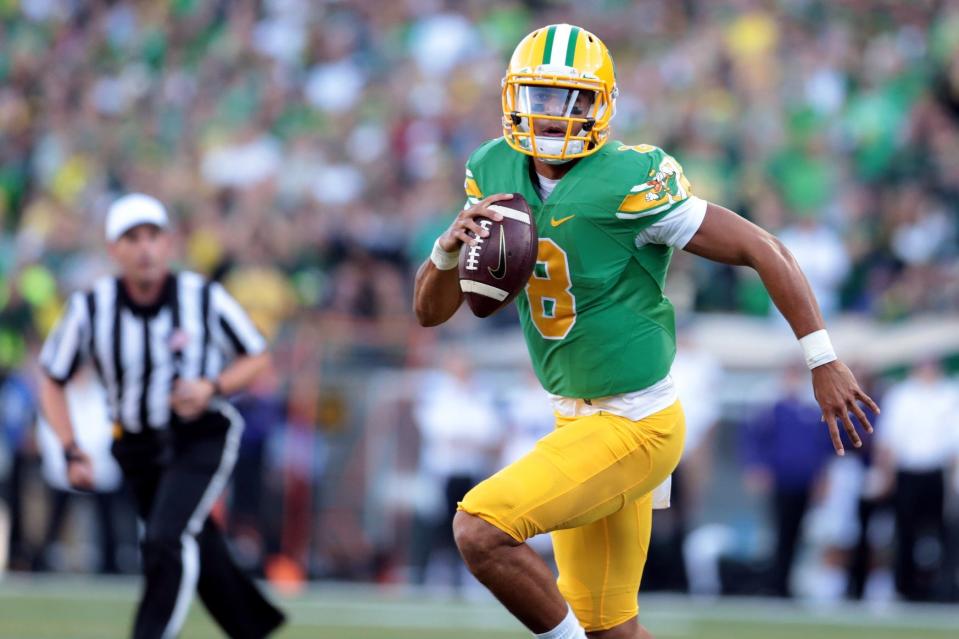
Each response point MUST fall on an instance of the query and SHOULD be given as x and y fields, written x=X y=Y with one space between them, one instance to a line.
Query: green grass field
x=78 y=608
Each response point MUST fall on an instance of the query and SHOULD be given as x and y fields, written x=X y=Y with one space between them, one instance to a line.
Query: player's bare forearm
x=436 y=295
x=242 y=371
x=728 y=238
x=53 y=405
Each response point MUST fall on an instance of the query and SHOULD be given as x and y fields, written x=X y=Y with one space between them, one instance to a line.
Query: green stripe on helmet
x=571 y=47
x=549 y=44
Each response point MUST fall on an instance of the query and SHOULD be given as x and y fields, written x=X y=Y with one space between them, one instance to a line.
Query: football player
x=601 y=336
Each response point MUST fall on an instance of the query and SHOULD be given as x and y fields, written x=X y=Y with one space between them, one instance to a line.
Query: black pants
x=860 y=564
x=790 y=506
x=19 y=552
x=176 y=476
x=438 y=534
x=919 y=505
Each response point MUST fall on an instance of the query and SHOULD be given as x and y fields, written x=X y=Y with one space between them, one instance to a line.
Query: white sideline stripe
x=425 y=615
x=560 y=42
x=512 y=214
x=365 y=606
x=190 y=552
x=470 y=286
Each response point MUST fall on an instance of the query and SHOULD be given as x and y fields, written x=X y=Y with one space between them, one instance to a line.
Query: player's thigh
x=601 y=565
x=585 y=470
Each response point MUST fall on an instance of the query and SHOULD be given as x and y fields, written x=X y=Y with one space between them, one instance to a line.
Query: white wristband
x=817 y=348
x=444 y=260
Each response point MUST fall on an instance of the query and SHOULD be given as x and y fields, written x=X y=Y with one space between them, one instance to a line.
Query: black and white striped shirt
x=192 y=332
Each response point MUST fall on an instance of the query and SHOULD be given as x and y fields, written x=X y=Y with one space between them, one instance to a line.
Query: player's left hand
x=838 y=394
x=190 y=397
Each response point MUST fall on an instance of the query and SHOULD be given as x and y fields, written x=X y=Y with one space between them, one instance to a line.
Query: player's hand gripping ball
x=494 y=269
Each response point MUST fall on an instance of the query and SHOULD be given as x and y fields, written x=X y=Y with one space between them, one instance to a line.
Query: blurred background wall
x=311 y=152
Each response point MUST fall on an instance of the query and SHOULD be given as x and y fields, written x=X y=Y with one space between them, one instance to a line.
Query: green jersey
x=594 y=315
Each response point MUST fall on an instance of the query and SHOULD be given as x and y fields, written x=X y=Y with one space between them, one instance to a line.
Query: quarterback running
x=601 y=335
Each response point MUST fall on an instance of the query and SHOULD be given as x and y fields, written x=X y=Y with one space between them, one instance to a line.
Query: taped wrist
x=817 y=348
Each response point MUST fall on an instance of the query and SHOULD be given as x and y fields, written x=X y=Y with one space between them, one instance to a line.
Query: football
x=496 y=268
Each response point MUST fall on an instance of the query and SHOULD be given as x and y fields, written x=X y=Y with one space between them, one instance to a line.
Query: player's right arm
x=437 y=294
x=61 y=355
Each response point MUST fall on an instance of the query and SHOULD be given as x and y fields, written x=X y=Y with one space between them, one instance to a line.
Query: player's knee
x=630 y=629
x=478 y=540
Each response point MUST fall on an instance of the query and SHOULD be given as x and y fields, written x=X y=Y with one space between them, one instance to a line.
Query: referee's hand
x=190 y=397
x=80 y=470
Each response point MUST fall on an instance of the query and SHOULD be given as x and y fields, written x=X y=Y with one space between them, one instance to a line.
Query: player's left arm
x=726 y=237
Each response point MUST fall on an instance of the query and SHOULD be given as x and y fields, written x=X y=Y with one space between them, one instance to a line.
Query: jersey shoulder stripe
x=471 y=187
x=661 y=183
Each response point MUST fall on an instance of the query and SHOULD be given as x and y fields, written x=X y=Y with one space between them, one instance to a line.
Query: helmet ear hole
x=515 y=117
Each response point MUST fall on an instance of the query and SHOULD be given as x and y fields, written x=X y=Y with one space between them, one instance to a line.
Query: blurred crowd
x=311 y=151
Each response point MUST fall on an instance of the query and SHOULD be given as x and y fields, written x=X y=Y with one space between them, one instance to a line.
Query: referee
x=168 y=347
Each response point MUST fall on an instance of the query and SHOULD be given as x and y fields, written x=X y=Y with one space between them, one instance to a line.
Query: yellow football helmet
x=559 y=94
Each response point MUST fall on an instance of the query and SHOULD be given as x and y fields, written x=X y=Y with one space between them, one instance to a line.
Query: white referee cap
x=132 y=210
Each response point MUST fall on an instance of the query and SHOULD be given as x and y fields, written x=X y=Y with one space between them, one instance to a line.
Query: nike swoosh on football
x=500 y=271
x=554 y=222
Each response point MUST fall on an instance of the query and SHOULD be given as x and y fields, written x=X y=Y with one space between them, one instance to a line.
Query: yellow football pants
x=589 y=482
